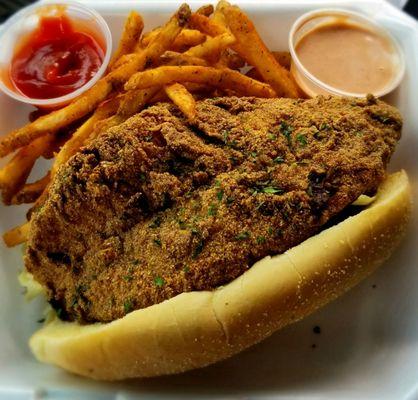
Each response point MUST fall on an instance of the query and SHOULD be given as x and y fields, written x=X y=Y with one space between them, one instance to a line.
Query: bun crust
x=196 y=329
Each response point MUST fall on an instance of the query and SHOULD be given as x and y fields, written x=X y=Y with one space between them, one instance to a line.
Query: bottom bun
x=196 y=329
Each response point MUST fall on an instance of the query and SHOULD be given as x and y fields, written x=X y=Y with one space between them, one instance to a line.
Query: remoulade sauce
x=348 y=57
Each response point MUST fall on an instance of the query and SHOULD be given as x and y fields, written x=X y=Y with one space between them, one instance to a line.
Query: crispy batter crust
x=195 y=329
x=156 y=207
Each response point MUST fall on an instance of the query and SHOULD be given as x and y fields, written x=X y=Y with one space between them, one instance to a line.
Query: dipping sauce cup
x=52 y=53
x=343 y=53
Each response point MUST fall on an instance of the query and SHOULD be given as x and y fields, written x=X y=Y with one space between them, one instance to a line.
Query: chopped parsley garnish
x=229 y=143
x=270 y=230
x=278 y=160
x=156 y=223
x=194 y=231
x=157 y=242
x=301 y=139
x=229 y=200
x=182 y=224
x=217 y=183
x=302 y=162
x=286 y=130
x=198 y=249
x=220 y=194
x=128 y=278
x=212 y=211
x=381 y=118
x=142 y=177
x=253 y=154
x=271 y=190
x=242 y=236
x=272 y=136
x=74 y=302
x=159 y=281
x=128 y=306
x=225 y=136
x=324 y=127
x=186 y=269
x=265 y=187
x=261 y=239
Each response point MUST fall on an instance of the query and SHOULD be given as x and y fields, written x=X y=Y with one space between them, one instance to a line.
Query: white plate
x=368 y=346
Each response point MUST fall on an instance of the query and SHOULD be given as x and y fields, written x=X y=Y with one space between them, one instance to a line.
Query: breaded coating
x=157 y=206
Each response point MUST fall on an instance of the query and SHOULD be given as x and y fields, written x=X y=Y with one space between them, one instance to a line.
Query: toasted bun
x=195 y=329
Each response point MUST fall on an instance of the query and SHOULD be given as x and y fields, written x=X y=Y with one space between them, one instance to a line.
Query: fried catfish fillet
x=157 y=206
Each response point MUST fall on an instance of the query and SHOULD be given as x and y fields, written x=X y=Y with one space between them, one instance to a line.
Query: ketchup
x=55 y=60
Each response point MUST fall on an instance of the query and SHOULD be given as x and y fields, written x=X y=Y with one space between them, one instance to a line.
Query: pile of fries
x=193 y=56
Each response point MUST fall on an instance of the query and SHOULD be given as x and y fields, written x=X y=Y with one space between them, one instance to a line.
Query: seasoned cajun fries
x=193 y=56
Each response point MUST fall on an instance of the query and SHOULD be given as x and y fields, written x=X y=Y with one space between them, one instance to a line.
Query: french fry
x=157 y=46
x=174 y=58
x=17 y=235
x=151 y=35
x=218 y=16
x=81 y=136
x=31 y=191
x=205 y=10
x=254 y=74
x=160 y=97
x=126 y=58
x=206 y=25
x=90 y=100
x=14 y=174
x=56 y=119
x=130 y=103
x=211 y=49
x=187 y=38
x=230 y=60
x=283 y=58
x=222 y=78
x=130 y=36
x=198 y=89
x=251 y=48
x=134 y=101
x=183 y=99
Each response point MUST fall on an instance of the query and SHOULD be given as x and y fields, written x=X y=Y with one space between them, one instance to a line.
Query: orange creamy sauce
x=348 y=57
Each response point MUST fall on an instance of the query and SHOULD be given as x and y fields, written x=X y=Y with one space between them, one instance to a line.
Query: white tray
x=368 y=346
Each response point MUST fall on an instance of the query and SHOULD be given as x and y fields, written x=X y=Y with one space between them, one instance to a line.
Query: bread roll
x=196 y=329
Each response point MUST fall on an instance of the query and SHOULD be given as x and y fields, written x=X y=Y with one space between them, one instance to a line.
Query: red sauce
x=55 y=60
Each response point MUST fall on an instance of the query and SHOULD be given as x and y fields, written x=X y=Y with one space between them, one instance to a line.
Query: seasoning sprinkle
x=261 y=239
x=220 y=194
x=128 y=306
x=243 y=235
x=159 y=281
x=213 y=210
x=286 y=130
x=302 y=139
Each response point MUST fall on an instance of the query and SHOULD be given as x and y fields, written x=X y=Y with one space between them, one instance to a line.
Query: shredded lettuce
x=33 y=288
x=364 y=200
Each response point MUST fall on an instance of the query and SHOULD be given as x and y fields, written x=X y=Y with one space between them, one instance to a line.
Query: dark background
x=411 y=8
x=8 y=7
